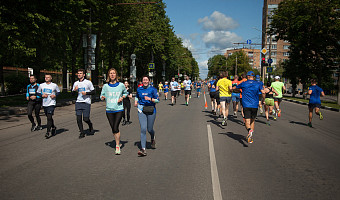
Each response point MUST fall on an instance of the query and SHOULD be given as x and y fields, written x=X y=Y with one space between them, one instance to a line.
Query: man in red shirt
x=235 y=96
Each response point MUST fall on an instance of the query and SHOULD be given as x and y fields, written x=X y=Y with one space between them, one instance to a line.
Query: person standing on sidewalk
x=84 y=88
x=314 y=101
x=250 y=102
x=278 y=86
x=49 y=92
x=113 y=93
x=145 y=101
x=224 y=86
x=127 y=104
x=34 y=103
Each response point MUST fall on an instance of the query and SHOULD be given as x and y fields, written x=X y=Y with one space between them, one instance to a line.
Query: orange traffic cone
x=205 y=100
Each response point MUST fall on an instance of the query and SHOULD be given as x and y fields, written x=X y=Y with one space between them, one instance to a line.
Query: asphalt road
x=288 y=160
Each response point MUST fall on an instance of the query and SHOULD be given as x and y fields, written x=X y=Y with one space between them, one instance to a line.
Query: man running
x=260 y=94
x=49 y=91
x=314 y=101
x=34 y=103
x=198 y=88
x=235 y=96
x=224 y=86
x=173 y=87
x=187 y=89
x=84 y=88
x=250 y=102
x=278 y=86
x=213 y=93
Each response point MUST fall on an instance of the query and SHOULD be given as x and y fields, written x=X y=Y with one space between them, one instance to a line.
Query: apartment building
x=253 y=54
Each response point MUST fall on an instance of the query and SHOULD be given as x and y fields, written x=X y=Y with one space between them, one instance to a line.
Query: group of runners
x=249 y=92
x=252 y=95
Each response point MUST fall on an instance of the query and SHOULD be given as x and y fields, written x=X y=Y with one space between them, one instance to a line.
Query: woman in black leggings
x=127 y=104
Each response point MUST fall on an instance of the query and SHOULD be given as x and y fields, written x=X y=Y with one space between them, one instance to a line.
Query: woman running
x=146 y=99
x=113 y=93
x=269 y=101
x=166 y=90
x=127 y=104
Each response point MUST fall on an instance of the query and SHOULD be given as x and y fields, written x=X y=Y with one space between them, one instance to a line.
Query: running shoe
x=273 y=112
x=91 y=128
x=142 y=152
x=190 y=97
x=38 y=128
x=279 y=113
x=47 y=135
x=123 y=122
x=250 y=136
x=153 y=144
x=320 y=115
x=310 y=124
x=33 y=128
x=261 y=110
x=54 y=131
x=81 y=135
x=224 y=122
x=268 y=123
x=117 y=150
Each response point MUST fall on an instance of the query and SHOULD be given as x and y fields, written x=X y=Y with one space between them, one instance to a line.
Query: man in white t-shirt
x=187 y=89
x=49 y=91
x=84 y=88
x=174 y=88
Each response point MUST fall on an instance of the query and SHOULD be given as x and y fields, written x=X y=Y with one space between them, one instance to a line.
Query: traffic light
x=263 y=62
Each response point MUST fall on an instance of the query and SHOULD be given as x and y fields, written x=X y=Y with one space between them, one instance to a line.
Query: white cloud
x=218 y=22
x=187 y=43
x=220 y=39
x=203 y=66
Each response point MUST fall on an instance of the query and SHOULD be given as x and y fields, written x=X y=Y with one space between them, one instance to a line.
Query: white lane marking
x=214 y=173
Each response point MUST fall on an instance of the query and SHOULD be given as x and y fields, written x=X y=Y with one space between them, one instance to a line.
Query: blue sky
x=209 y=27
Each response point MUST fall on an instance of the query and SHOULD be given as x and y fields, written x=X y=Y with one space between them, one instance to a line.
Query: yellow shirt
x=223 y=87
x=160 y=86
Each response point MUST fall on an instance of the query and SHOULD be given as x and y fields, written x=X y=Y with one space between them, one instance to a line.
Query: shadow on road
x=240 y=138
x=88 y=133
x=299 y=123
x=112 y=144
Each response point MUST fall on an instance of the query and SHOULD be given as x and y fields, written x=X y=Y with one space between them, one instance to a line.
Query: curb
x=23 y=110
x=303 y=103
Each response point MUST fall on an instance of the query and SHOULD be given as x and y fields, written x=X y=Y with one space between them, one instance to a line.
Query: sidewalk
x=325 y=98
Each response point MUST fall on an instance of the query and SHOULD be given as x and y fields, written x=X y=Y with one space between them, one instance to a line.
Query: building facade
x=277 y=50
x=253 y=54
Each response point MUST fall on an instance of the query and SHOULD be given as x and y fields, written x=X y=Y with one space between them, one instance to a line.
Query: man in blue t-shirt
x=314 y=101
x=213 y=93
x=250 y=102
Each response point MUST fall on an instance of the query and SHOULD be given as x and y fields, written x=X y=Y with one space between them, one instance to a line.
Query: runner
x=49 y=91
x=213 y=93
x=314 y=101
x=269 y=101
x=250 y=102
x=84 y=88
x=140 y=84
x=34 y=103
x=174 y=90
x=235 y=96
x=244 y=78
x=198 y=88
x=187 y=89
x=166 y=90
x=260 y=94
x=127 y=104
x=181 y=89
x=160 y=88
x=113 y=93
x=145 y=101
x=278 y=86
x=224 y=86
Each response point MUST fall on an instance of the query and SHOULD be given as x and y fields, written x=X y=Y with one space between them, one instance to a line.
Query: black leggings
x=80 y=122
x=127 y=108
x=50 y=122
x=36 y=106
x=114 y=120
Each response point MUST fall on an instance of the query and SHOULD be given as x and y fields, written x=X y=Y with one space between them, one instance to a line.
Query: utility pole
x=236 y=66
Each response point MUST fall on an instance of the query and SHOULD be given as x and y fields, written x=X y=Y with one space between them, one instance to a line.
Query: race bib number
x=81 y=89
x=47 y=91
x=31 y=91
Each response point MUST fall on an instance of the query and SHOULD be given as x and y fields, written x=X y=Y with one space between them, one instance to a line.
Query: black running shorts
x=174 y=93
x=250 y=113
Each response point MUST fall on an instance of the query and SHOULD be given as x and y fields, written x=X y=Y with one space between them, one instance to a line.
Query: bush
x=16 y=83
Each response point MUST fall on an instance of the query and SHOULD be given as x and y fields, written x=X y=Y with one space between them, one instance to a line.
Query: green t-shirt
x=278 y=88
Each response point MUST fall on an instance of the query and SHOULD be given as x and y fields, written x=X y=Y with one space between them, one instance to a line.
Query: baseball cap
x=250 y=73
x=257 y=77
x=215 y=77
x=277 y=77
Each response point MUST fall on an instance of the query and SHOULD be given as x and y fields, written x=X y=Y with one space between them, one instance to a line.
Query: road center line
x=214 y=173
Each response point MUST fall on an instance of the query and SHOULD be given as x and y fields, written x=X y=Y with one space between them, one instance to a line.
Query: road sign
x=270 y=61
x=248 y=41
x=176 y=76
x=264 y=51
x=151 y=65
x=269 y=69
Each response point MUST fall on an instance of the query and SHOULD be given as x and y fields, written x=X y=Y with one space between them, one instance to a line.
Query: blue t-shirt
x=142 y=93
x=315 y=96
x=260 y=82
x=211 y=86
x=166 y=88
x=250 y=93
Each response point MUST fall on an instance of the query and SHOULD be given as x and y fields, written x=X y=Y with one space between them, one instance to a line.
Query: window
x=274 y=53
x=285 y=53
x=286 y=46
x=274 y=46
